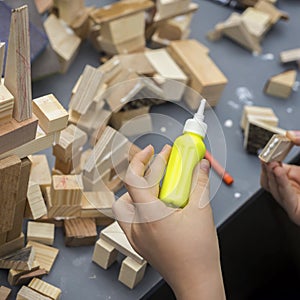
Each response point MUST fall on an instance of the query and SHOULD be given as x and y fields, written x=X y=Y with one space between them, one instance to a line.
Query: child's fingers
x=294 y=135
x=264 y=177
x=273 y=186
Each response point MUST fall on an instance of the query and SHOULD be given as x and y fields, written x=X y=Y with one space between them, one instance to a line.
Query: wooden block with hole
x=276 y=149
x=4 y=292
x=20 y=260
x=63 y=41
x=80 y=232
x=104 y=254
x=26 y=293
x=204 y=75
x=10 y=169
x=44 y=255
x=36 y=204
x=45 y=288
x=51 y=114
x=41 y=232
x=281 y=85
x=66 y=190
x=132 y=272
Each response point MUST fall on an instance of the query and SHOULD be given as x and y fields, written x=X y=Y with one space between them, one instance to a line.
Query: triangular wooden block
x=286 y=78
x=19 y=260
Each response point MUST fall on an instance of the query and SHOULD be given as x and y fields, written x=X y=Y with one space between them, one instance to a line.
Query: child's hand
x=181 y=244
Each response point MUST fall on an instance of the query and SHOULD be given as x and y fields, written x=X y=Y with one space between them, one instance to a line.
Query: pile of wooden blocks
x=249 y=28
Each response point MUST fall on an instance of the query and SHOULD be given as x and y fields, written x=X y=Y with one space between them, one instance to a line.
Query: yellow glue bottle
x=187 y=151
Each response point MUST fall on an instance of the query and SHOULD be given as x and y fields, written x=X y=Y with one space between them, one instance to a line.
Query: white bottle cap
x=197 y=125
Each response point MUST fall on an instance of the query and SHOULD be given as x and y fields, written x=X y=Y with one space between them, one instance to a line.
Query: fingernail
x=294 y=133
x=204 y=165
x=148 y=148
x=165 y=148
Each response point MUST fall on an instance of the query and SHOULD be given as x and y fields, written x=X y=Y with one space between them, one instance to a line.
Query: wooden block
x=59 y=211
x=104 y=221
x=12 y=245
x=281 y=85
x=81 y=25
x=18 y=70
x=14 y=275
x=4 y=292
x=20 y=260
x=276 y=149
x=44 y=255
x=288 y=56
x=69 y=10
x=40 y=171
x=257 y=135
x=3 y=237
x=80 y=232
x=40 y=232
x=66 y=190
x=14 y=134
x=45 y=288
x=194 y=61
x=137 y=62
x=36 y=201
x=52 y=116
x=166 y=9
x=43 y=5
x=132 y=272
x=2 y=51
x=63 y=40
x=6 y=104
x=9 y=177
x=114 y=235
x=26 y=278
x=65 y=168
x=26 y=293
x=104 y=254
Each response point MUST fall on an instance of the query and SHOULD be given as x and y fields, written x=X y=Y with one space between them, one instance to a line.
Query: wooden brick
x=45 y=288
x=6 y=104
x=104 y=254
x=20 y=260
x=51 y=114
x=44 y=255
x=132 y=272
x=288 y=56
x=26 y=293
x=40 y=232
x=4 y=292
x=12 y=245
x=14 y=134
x=36 y=203
x=80 y=232
x=9 y=177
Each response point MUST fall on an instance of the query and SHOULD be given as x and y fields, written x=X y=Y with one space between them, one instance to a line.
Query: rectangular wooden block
x=4 y=292
x=41 y=232
x=104 y=254
x=9 y=177
x=44 y=255
x=80 y=232
x=36 y=203
x=14 y=134
x=12 y=245
x=45 y=288
x=26 y=293
x=66 y=190
x=6 y=104
x=51 y=114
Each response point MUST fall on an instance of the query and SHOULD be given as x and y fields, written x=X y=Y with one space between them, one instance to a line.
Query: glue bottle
x=187 y=151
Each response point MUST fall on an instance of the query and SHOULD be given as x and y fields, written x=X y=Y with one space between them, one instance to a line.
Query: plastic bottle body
x=187 y=151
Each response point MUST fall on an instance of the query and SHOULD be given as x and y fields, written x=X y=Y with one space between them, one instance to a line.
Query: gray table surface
x=73 y=271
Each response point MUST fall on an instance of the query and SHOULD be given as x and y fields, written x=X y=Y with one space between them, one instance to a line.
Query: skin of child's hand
x=181 y=244
x=283 y=182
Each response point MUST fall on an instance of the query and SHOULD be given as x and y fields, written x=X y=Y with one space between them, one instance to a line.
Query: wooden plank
x=18 y=68
x=104 y=254
x=119 y=10
x=9 y=177
x=20 y=260
x=51 y=114
x=4 y=292
x=40 y=171
x=26 y=293
x=40 y=232
x=36 y=201
x=114 y=235
x=45 y=288
x=44 y=255
x=14 y=134
x=12 y=245
x=80 y=232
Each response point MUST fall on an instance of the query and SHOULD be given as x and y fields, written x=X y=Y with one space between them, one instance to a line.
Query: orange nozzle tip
x=228 y=179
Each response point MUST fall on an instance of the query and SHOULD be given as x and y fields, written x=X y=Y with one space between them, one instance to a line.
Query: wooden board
x=26 y=293
x=114 y=235
x=4 y=292
x=45 y=288
x=40 y=171
x=51 y=114
x=14 y=134
x=20 y=260
x=18 y=68
x=80 y=232
x=44 y=255
x=9 y=177
x=36 y=201
x=40 y=232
